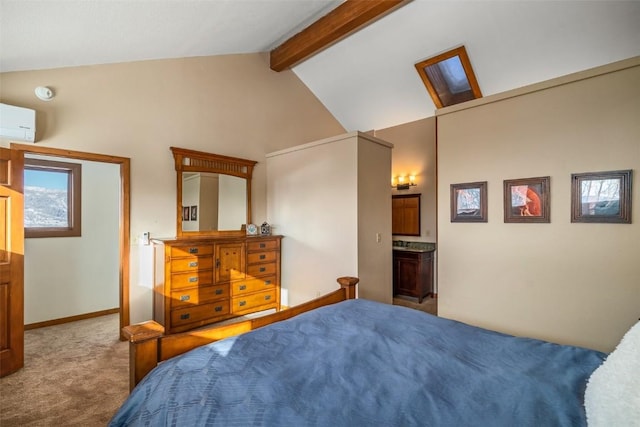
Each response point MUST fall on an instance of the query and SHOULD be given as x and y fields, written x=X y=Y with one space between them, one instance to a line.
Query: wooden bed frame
x=148 y=345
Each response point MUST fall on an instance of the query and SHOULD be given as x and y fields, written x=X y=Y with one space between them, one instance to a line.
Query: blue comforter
x=360 y=363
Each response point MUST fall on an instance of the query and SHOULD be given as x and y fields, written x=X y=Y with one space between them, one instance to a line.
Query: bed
x=354 y=362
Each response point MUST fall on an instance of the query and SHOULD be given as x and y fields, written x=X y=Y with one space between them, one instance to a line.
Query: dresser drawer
x=258 y=257
x=191 y=280
x=248 y=303
x=191 y=263
x=200 y=295
x=262 y=245
x=198 y=313
x=191 y=250
x=261 y=269
x=253 y=285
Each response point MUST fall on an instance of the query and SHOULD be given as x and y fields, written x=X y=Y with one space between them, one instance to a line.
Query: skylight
x=449 y=78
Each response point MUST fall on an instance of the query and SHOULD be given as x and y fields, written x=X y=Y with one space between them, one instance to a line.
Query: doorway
x=123 y=213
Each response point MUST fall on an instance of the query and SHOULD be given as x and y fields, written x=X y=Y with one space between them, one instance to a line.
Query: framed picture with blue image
x=601 y=197
x=469 y=202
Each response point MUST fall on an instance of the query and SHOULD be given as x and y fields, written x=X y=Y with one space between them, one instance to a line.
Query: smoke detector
x=44 y=93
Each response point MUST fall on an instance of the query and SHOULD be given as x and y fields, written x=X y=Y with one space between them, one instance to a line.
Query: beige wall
x=569 y=283
x=325 y=197
x=231 y=105
x=375 y=268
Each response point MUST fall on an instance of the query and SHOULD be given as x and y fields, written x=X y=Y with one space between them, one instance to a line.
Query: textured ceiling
x=37 y=34
x=368 y=80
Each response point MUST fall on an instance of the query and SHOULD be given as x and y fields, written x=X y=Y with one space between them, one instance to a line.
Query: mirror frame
x=405 y=221
x=199 y=161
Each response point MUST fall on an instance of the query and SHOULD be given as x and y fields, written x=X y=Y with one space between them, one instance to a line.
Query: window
x=449 y=78
x=51 y=198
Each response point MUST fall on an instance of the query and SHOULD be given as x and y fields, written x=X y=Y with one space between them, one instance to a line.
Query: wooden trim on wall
x=125 y=212
x=70 y=319
x=547 y=84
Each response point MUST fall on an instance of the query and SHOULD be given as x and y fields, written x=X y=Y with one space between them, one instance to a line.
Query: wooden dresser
x=201 y=280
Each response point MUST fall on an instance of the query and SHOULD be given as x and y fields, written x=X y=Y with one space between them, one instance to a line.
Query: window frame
x=461 y=53
x=74 y=200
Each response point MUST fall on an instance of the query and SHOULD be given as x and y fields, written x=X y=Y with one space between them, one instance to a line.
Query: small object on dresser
x=265 y=229
x=252 y=230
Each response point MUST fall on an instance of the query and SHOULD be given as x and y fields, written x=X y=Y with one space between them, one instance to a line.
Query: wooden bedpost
x=143 y=349
x=349 y=285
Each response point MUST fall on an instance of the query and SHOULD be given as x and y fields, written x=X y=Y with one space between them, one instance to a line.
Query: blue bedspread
x=360 y=363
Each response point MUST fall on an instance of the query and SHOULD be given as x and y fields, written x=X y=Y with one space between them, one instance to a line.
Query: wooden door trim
x=125 y=211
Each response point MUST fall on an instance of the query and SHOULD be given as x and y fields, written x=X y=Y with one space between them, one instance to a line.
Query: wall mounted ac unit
x=17 y=123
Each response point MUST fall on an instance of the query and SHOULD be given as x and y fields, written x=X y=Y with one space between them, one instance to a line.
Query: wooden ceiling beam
x=347 y=18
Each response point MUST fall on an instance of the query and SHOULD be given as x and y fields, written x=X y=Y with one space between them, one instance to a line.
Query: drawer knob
x=218 y=291
x=193 y=250
x=243 y=287
x=267 y=297
x=243 y=303
x=267 y=282
x=193 y=264
x=262 y=269
x=218 y=308
x=262 y=245
x=185 y=297
x=263 y=256
x=193 y=279
x=185 y=316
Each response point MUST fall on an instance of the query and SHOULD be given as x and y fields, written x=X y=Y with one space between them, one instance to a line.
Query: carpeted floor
x=429 y=304
x=75 y=374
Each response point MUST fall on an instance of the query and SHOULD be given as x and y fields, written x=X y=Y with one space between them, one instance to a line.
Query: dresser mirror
x=213 y=193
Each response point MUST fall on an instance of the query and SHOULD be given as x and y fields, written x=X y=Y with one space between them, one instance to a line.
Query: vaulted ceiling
x=367 y=80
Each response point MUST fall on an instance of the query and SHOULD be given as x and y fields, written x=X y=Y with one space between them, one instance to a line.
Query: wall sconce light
x=403 y=183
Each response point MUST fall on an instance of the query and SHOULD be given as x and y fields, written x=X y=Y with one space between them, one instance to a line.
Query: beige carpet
x=75 y=374
x=430 y=305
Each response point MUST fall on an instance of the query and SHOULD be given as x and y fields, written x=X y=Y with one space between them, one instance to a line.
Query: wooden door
x=11 y=261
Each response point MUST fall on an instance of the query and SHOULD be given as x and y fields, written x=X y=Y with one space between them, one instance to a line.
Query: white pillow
x=612 y=397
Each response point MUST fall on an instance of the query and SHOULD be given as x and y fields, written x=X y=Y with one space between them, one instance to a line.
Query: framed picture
x=185 y=213
x=601 y=197
x=469 y=202
x=194 y=213
x=526 y=200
